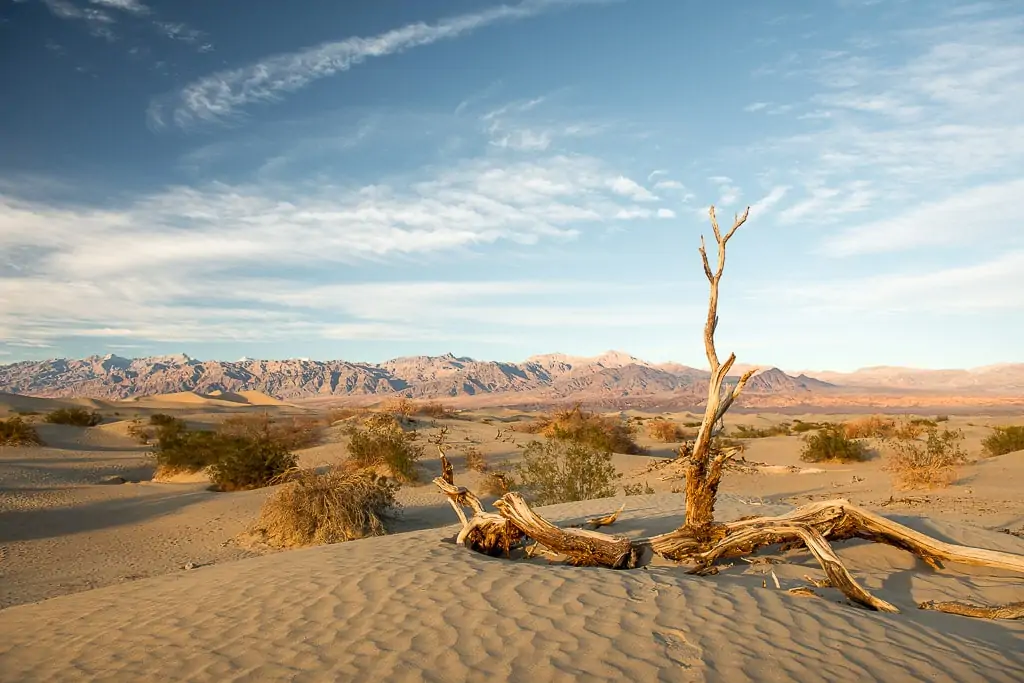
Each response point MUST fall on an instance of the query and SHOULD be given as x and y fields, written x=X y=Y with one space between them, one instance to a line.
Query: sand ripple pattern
x=414 y=607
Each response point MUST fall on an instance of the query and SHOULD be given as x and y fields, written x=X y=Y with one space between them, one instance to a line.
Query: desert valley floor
x=108 y=575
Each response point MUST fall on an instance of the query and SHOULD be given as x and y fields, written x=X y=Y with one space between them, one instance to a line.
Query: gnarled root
x=1015 y=610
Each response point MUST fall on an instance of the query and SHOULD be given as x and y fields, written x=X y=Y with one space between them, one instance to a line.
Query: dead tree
x=700 y=540
x=704 y=468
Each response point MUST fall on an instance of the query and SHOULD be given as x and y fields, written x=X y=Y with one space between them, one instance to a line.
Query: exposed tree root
x=810 y=526
x=1015 y=610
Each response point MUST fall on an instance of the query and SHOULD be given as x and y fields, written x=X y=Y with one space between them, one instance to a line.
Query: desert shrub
x=182 y=450
x=399 y=405
x=475 y=459
x=338 y=505
x=497 y=484
x=15 y=431
x=77 y=417
x=27 y=413
x=162 y=420
x=923 y=422
x=942 y=418
x=561 y=471
x=831 y=444
x=692 y=424
x=927 y=463
x=873 y=426
x=293 y=433
x=382 y=441
x=665 y=431
x=637 y=489
x=249 y=462
x=747 y=432
x=600 y=432
x=433 y=409
x=1004 y=440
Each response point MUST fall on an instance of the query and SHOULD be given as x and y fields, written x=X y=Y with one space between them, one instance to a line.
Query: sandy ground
x=93 y=585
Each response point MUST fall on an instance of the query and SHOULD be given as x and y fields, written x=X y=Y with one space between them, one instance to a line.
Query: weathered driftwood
x=606 y=520
x=581 y=546
x=1015 y=610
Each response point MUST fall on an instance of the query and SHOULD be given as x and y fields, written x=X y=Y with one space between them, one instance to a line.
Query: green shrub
x=15 y=431
x=77 y=417
x=562 y=471
x=930 y=463
x=250 y=463
x=335 y=506
x=1004 y=440
x=382 y=441
x=831 y=444
x=183 y=450
x=162 y=420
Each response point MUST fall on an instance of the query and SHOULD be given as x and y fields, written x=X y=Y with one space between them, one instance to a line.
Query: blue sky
x=364 y=180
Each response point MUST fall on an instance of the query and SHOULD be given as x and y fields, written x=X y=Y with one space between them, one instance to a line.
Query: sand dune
x=414 y=607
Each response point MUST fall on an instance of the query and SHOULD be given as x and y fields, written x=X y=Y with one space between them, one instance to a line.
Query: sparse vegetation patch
x=1004 y=440
x=871 y=427
x=76 y=417
x=928 y=462
x=561 y=471
x=831 y=444
x=666 y=431
x=383 y=441
x=599 y=432
x=14 y=431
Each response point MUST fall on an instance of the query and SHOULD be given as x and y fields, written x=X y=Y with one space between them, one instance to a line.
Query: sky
x=378 y=178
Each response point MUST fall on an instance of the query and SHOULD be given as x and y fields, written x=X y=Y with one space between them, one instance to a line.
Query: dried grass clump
x=383 y=441
x=434 y=409
x=1004 y=440
x=475 y=459
x=637 y=489
x=928 y=463
x=399 y=405
x=831 y=444
x=338 y=505
x=77 y=417
x=748 y=432
x=597 y=431
x=666 y=431
x=15 y=431
x=871 y=427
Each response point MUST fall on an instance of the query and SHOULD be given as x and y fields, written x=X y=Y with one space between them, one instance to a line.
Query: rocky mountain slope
x=554 y=376
x=610 y=377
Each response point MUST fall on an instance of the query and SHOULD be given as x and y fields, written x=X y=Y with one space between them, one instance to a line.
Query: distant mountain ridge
x=607 y=378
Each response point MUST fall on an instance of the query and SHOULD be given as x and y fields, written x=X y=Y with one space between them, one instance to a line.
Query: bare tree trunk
x=704 y=472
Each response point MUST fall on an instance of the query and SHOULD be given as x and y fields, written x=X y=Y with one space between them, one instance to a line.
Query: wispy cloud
x=988 y=211
x=131 y=6
x=98 y=22
x=174 y=274
x=993 y=284
x=223 y=94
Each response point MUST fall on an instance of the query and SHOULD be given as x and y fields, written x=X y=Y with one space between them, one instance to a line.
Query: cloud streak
x=221 y=95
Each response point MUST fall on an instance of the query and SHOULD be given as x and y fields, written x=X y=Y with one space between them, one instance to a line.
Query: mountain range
x=610 y=378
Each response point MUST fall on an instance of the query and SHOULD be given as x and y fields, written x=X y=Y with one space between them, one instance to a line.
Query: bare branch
x=739 y=220
x=704 y=257
x=714 y=224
